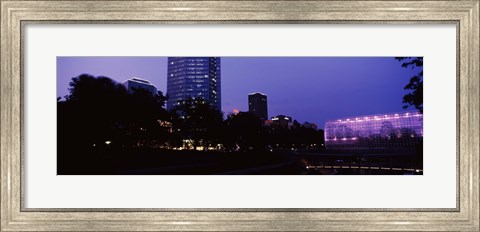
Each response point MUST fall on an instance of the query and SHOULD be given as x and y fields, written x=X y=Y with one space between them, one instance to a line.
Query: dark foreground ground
x=121 y=161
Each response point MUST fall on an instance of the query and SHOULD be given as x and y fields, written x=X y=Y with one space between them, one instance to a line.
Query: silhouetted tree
x=295 y=136
x=307 y=137
x=100 y=112
x=88 y=114
x=145 y=114
x=415 y=87
x=198 y=121
x=99 y=109
x=244 y=132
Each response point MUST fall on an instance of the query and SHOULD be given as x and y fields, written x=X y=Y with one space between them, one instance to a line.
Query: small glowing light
x=416 y=170
x=108 y=142
x=344 y=139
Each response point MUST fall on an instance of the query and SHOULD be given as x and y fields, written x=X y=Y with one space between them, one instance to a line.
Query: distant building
x=137 y=83
x=310 y=125
x=193 y=77
x=375 y=131
x=281 y=121
x=257 y=104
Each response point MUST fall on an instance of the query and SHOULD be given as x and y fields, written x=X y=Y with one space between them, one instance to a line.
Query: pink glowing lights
x=382 y=130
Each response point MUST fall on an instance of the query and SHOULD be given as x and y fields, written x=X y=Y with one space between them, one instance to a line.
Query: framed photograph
x=239 y=115
x=212 y=119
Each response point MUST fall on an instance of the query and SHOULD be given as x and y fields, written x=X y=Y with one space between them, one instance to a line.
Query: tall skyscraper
x=257 y=104
x=137 y=83
x=194 y=77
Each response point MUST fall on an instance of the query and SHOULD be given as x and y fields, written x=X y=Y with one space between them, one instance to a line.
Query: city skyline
x=313 y=89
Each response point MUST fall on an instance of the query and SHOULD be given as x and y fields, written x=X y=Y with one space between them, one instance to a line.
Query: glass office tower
x=193 y=77
x=375 y=131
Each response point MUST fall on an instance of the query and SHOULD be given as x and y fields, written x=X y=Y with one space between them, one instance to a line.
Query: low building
x=282 y=121
x=137 y=83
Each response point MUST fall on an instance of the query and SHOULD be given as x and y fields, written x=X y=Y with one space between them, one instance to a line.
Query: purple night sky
x=313 y=89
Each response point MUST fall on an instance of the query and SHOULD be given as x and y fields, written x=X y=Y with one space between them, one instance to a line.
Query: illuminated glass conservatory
x=375 y=131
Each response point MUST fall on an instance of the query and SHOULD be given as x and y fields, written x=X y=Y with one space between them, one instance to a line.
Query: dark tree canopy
x=414 y=97
x=99 y=109
x=294 y=136
x=101 y=112
x=245 y=132
x=198 y=121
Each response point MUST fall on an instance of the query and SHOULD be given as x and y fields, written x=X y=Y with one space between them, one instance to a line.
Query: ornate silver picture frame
x=16 y=14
